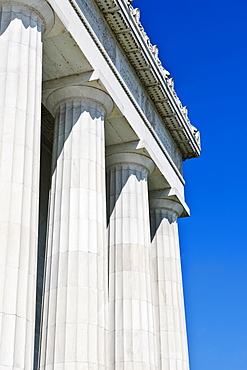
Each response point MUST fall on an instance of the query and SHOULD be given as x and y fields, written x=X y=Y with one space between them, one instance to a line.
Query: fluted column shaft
x=167 y=288
x=75 y=308
x=131 y=318
x=21 y=29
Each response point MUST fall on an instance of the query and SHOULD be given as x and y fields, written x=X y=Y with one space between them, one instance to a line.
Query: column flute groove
x=74 y=332
x=21 y=31
x=131 y=316
x=167 y=288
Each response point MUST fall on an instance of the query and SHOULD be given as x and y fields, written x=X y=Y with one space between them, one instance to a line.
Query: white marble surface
x=20 y=105
x=167 y=286
x=131 y=315
x=109 y=79
x=75 y=307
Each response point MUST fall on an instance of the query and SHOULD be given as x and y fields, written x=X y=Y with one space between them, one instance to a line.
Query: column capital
x=79 y=93
x=173 y=209
x=170 y=200
x=128 y=158
x=40 y=7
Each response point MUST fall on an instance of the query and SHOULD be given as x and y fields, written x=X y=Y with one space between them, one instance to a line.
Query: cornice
x=124 y=20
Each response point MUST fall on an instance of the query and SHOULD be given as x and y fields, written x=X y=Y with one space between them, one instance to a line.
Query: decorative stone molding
x=168 y=119
x=100 y=28
x=143 y=56
x=184 y=110
x=136 y=14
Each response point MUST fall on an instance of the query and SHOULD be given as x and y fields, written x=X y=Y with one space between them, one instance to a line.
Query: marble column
x=75 y=303
x=167 y=286
x=22 y=25
x=131 y=313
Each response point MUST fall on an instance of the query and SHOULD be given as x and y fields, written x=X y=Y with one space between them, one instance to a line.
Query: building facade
x=92 y=140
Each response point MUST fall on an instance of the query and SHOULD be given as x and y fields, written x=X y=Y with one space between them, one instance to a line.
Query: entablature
x=79 y=55
x=92 y=18
x=124 y=21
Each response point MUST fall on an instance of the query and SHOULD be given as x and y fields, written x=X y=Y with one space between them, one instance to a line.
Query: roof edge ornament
x=144 y=58
x=184 y=110
x=136 y=15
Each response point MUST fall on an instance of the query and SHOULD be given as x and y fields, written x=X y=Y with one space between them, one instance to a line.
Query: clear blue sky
x=204 y=46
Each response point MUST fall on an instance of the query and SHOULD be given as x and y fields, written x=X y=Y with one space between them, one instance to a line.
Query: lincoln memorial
x=92 y=141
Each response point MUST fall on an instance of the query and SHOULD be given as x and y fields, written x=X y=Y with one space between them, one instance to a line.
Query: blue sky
x=204 y=46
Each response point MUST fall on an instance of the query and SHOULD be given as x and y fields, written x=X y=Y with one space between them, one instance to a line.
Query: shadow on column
x=155 y=221
x=111 y=203
x=47 y=169
x=8 y=15
x=45 y=182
